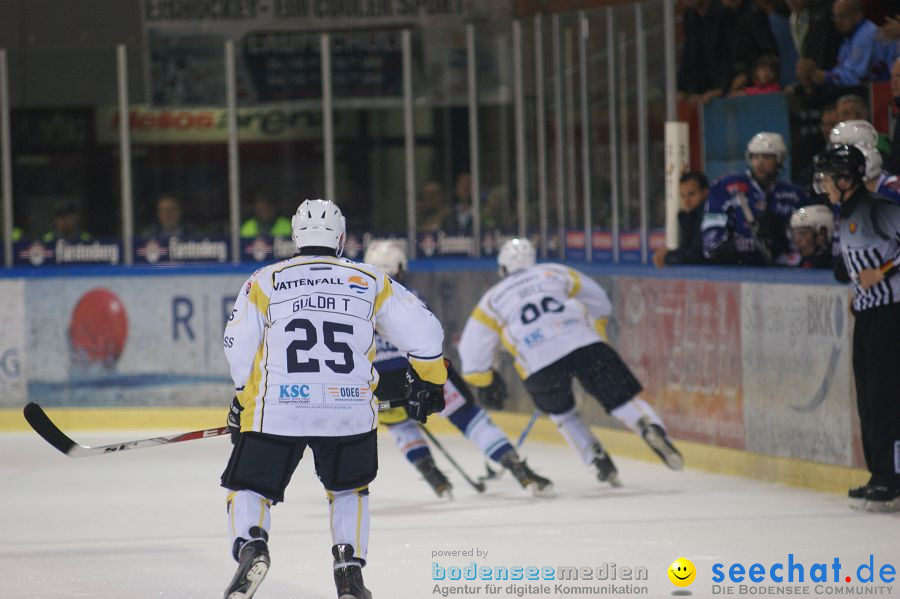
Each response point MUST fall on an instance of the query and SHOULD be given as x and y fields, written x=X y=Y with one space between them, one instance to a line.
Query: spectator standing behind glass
x=893 y=164
x=693 y=189
x=813 y=31
x=765 y=77
x=66 y=224
x=747 y=213
x=811 y=227
x=168 y=219
x=432 y=207
x=861 y=57
x=266 y=220
x=459 y=220
x=750 y=39
x=705 y=71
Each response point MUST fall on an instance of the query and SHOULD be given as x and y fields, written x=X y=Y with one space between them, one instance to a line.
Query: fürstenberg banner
x=278 y=51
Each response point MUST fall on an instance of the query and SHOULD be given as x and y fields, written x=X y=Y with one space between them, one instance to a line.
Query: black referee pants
x=876 y=368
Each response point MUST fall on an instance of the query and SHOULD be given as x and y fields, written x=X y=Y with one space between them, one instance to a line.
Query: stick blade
x=43 y=426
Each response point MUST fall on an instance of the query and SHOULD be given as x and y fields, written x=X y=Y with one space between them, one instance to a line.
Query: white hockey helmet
x=514 y=255
x=319 y=223
x=854 y=133
x=816 y=217
x=386 y=255
x=766 y=142
x=874 y=162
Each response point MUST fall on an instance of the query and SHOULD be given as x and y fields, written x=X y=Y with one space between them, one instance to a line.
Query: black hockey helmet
x=842 y=160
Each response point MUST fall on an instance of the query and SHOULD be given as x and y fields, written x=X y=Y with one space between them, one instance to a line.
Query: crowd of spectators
x=821 y=54
x=734 y=47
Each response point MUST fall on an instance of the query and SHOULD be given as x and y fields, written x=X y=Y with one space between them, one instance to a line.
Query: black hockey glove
x=771 y=236
x=234 y=419
x=424 y=398
x=494 y=395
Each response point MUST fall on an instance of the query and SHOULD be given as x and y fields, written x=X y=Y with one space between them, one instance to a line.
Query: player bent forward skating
x=299 y=343
x=552 y=319
x=461 y=409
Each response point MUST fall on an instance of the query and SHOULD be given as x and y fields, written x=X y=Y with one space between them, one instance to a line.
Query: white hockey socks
x=350 y=520
x=248 y=517
x=633 y=410
x=482 y=431
x=577 y=433
x=409 y=439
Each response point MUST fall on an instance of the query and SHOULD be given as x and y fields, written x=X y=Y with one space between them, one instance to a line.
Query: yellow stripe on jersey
x=485 y=319
x=479 y=379
x=523 y=374
x=247 y=397
x=600 y=327
x=433 y=371
x=576 y=282
x=386 y=292
x=509 y=345
x=259 y=299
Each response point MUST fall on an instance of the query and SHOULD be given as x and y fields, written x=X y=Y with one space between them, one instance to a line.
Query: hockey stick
x=477 y=485
x=51 y=433
x=43 y=426
x=491 y=473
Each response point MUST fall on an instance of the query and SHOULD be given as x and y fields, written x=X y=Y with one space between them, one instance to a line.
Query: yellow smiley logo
x=682 y=572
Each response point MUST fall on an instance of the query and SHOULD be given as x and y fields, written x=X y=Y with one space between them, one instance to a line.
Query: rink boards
x=746 y=360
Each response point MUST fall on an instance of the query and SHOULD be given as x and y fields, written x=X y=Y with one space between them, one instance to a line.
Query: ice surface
x=151 y=523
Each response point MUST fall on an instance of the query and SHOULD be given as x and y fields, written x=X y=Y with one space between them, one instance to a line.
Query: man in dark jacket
x=693 y=189
x=706 y=62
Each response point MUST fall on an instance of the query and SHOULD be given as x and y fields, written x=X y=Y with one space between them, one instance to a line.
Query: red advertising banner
x=683 y=341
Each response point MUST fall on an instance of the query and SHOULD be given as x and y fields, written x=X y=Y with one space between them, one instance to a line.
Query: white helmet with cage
x=816 y=217
x=319 y=223
x=874 y=162
x=387 y=255
x=854 y=133
x=514 y=255
x=766 y=142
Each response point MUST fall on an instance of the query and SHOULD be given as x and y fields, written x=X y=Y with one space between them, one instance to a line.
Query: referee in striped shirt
x=870 y=251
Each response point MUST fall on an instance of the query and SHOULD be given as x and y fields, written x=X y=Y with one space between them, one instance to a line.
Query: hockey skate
x=434 y=477
x=659 y=442
x=882 y=499
x=857 y=496
x=348 y=574
x=253 y=564
x=538 y=485
x=606 y=470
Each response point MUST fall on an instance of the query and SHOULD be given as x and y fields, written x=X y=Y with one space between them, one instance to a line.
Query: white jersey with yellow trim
x=540 y=314
x=301 y=340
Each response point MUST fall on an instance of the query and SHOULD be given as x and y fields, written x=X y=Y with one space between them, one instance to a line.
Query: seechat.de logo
x=358 y=284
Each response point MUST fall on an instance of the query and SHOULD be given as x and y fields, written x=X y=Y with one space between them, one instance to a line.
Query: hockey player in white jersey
x=300 y=344
x=461 y=409
x=552 y=320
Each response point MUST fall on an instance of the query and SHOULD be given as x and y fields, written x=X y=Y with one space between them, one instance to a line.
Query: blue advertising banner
x=178 y=250
x=730 y=123
x=63 y=252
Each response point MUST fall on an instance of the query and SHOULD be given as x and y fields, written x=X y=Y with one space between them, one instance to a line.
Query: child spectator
x=766 y=74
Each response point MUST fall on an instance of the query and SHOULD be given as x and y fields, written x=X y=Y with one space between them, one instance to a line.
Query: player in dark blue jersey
x=461 y=409
x=747 y=214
